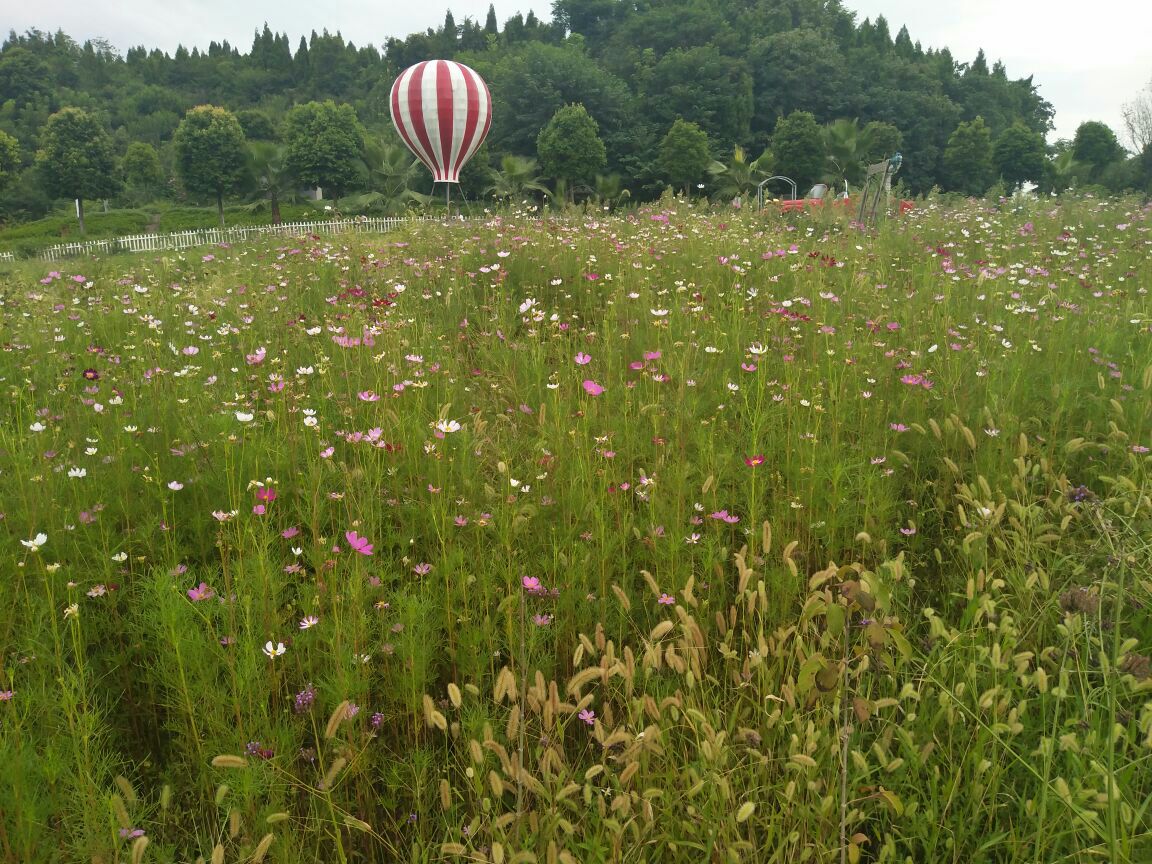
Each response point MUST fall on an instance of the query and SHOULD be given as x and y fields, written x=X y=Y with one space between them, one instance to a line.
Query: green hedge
x=63 y=228
x=190 y=218
x=30 y=237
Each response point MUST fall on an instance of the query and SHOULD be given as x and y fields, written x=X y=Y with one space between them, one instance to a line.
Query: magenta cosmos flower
x=201 y=592
x=358 y=543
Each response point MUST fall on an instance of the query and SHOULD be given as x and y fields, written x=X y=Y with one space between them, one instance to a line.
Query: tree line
x=704 y=95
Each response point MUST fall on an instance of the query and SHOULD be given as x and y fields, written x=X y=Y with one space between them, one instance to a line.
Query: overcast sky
x=1088 y=59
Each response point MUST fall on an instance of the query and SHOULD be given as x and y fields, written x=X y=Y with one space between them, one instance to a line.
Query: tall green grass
x=677 y=536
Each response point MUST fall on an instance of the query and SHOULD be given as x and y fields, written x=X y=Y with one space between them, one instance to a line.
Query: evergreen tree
x=1019 y=155
x=324 y=141
x=1096 y=147
x=685 y=156
x=9 y=159
x=798 y=145
x=449 y=37
x=210 y=153
x=142 y=172
x=570 y=148
x=75 y=159
x=968 y=158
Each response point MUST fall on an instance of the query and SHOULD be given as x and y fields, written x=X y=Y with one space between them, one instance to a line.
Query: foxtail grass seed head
x=139 y=846
x=358 y=824
x=121 y=812
x=229 y=761
x=261 y=850
x=333 y=772
x=126 y=789
x=338 y=715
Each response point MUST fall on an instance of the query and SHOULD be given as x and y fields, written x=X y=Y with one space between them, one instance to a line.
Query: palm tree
x=1063 y=170
x=739 y=177
x=846 y=144
x=391 y=172
x=517 y=178
x=609 y=190
x=272 y=182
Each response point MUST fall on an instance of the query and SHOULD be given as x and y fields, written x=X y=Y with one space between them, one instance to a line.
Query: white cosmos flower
x=448 y=426
x=77 y=472
x=274 y=651
x=37 y=427
x=757 y=348
x=244 y=416
x=36 y=542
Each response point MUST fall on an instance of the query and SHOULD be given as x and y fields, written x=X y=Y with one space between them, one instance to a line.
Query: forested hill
x=732 y=66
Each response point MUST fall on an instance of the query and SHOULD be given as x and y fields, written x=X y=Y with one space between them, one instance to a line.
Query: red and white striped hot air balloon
x=442 y=110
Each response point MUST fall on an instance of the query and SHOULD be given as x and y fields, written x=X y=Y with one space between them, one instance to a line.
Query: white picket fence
x=217 y=236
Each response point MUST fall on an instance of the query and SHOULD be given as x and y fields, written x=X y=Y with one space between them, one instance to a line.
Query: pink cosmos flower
x=592 y=388
x=265 y=493
x=753 y=461
x=588 y=716
x=667 y=600
x=201 y=592
x=532 y=583
x=368 y=396
x=583 y=359
x=724 y=516
x=358 y=543
x=422 y=569
x=256 y=357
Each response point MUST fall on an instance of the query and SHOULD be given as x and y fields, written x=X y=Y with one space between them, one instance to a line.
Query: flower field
x=673 y=536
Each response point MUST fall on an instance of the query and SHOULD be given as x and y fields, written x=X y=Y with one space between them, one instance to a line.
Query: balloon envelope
x=442 y=110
